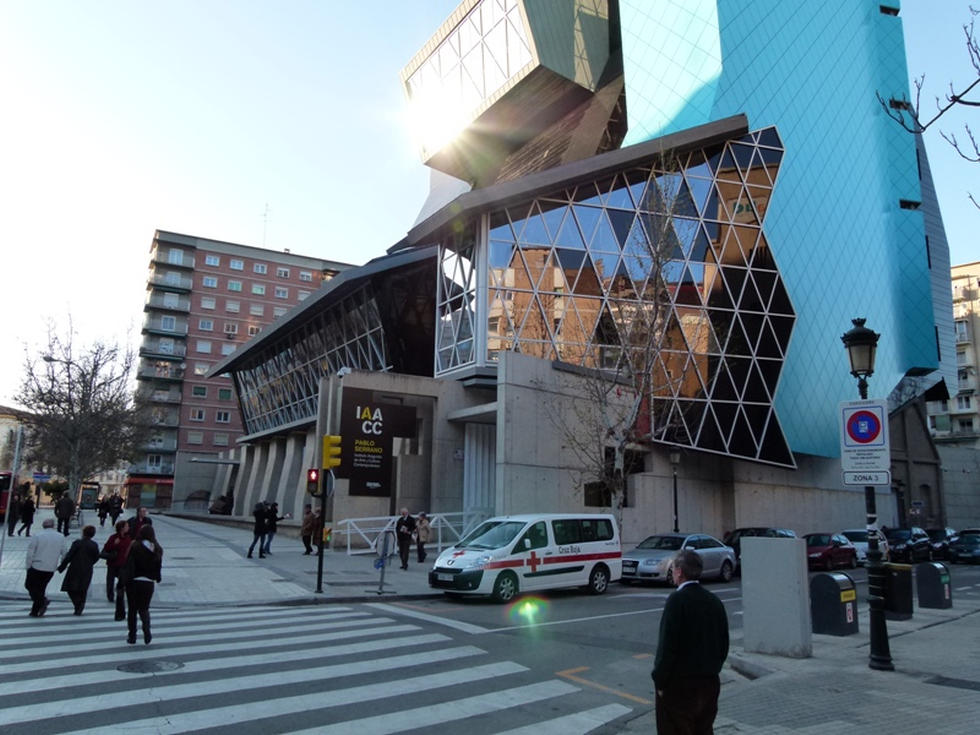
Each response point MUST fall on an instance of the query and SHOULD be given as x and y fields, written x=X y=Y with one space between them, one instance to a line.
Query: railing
x=160 y=279
x=364 y=534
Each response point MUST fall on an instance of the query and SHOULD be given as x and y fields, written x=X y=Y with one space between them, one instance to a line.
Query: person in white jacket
x=44 y=553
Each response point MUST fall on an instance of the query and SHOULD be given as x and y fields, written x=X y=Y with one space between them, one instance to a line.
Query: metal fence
x=364 y=534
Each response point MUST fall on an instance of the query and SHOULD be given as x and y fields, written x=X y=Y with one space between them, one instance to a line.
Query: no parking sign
x=864 y=451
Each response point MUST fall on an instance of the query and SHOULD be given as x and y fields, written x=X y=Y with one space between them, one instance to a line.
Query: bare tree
x=910 y=116
x=82 y=417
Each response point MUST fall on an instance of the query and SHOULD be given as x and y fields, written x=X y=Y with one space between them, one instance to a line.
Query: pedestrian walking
x=422 y=533
x=136 y=522
x=261 y=517
x=404 y=530
x=114 y=552
x=64 y=509
x=13 y=512
x=103 y=509
x=44 y=553
x=26 y=516
x=692 y=648
x=79 y=561
x=143 y=567
x=272 y=519
x=307 y=528
x=115 y=508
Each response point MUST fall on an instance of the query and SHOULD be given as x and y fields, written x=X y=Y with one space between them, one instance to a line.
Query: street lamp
x=861 y=344
x=675 y=459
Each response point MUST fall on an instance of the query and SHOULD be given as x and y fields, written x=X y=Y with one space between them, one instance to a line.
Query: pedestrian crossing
x=310 y=669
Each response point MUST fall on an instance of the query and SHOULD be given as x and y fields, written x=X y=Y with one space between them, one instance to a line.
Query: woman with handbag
x=79 y=561
x=114 y=553
x=142 y=569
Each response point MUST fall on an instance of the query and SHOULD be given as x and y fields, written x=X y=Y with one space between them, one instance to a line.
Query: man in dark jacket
x=13 y=512
x=692 y=649
x=64 y=509
x=404 y=529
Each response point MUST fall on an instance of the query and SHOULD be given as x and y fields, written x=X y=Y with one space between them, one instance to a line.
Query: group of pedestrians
x=109 y=507
x=133 y=566
x=266 y=517
x=20 y=509
x=409 y=529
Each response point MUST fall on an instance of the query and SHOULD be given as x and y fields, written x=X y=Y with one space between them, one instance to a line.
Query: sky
x=280 y=125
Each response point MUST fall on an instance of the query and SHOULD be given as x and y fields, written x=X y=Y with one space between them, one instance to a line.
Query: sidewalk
x=204 y=564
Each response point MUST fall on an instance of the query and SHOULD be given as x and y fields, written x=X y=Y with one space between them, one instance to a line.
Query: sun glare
x=436 y=117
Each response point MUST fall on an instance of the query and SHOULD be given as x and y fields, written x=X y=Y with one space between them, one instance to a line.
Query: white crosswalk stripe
x=313 y=669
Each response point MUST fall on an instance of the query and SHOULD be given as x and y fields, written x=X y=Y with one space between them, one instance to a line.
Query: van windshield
x=492 y=535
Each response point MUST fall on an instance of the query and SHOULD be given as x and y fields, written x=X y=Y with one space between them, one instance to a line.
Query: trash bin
x=932 y=585
x=833 y=604
x=898 y=591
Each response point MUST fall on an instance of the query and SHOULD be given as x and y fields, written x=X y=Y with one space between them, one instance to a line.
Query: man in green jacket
x=692 y=649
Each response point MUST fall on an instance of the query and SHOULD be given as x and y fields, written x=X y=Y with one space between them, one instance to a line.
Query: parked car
x=908 y=544
x=650 y=561
x=829 y=551
x=734 y=538
x=939 y=539
x=859 y=537
x=965 y=548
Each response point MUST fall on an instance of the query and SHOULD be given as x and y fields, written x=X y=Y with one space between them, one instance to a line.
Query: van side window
x=536 y=534
x=597 y=530
x=567 y=531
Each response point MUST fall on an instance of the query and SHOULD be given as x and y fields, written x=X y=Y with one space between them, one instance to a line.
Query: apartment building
x=204 y=299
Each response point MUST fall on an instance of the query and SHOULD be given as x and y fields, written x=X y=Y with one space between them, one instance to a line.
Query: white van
x=512 y=554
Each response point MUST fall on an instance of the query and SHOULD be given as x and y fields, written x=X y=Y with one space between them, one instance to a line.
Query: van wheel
x=505 y=588
x=726 y=572
x=598 y=580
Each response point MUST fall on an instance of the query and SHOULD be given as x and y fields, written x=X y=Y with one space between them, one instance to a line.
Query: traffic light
x=331 y=451
x=313 y=481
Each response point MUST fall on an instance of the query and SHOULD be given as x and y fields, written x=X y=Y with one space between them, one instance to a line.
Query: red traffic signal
x=313 y=481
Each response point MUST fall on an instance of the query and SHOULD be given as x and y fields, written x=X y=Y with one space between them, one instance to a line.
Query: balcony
x=171 y=257
x=167 y=420
x=164 y=350
x=147 y=468
x=166 y=302
x=165 y=326
x=170 y=281
x=159 y=396
x=161 y=445
x=155 y=372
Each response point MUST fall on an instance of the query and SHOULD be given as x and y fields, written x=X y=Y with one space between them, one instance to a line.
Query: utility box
x=776 y=618
x=833 y=604
x=932 y=585
x=898 y=591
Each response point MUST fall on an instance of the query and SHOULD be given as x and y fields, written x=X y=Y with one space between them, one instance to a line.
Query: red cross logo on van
x=533 y=561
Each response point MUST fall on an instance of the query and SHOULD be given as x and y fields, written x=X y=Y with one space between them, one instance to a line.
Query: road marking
x=961 y=589
x=571 y=675
x=449 y=622
x=642 y=655
x=576 y=620
x=264 y=708
x=437 y=714
x=579 y=723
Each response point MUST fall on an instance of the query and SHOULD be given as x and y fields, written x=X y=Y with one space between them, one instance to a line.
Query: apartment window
x=965 y=425
x=253 y=329
x=166 y=345
x=228 y=347
x=154 y=460
x=234 y=285
x=195 y=437
x=210 y=259
x=260 y=268
x=224 y=394
x=199 y=391
x=282 y=292
x=175 y=256
x=258 y=289
x=207 y=302
x=201 y=368
x=220 y=440
x=961 y=335
x=278 y=311
x=209 y=282
x=963 y=403
x=231 y=328
x=222 y=417
x=932 y=423
x=233 y=306
x=282 y=272
x=168 y=323
x=171 y=300
x=204 y=345
x=197 y=414
x=205 y=325
x=961 y=357
x=256 y=309
x=302 y=295
x=944 y=406
x=306 y=276
x=236 y=264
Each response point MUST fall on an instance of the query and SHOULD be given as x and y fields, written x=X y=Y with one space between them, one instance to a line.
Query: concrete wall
x=961 y=484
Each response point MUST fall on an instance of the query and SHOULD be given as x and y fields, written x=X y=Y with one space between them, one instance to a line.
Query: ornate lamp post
x=675 y=459
x=861 y=344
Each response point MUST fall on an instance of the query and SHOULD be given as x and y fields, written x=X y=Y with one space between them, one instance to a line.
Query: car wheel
x=726 y=572
x=505 y=588
x=854 y=561
x=670 y=577
x=598 y=580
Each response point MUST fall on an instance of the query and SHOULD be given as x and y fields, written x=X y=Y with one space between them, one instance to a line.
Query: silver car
x=650 y=561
